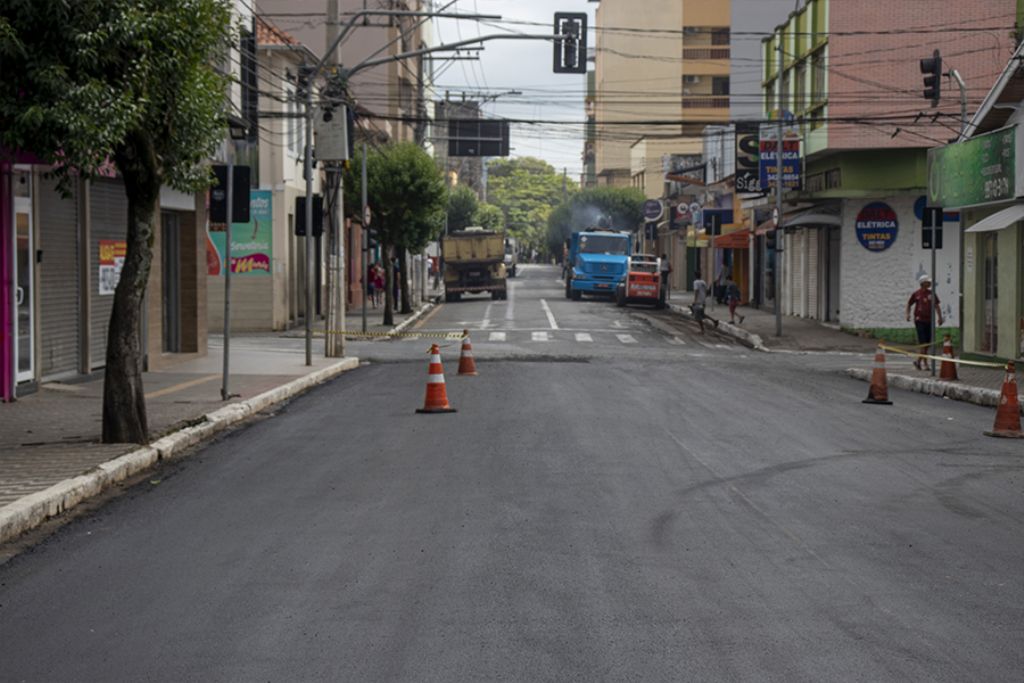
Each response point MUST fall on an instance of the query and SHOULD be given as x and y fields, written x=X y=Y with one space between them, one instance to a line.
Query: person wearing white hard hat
x=921 y=302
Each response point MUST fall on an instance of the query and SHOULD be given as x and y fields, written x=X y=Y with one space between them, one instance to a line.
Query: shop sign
x=792 y=176
x=877 y=226
x=251 y=242
x=980 y=170
x=111 y=262
x=748 y=155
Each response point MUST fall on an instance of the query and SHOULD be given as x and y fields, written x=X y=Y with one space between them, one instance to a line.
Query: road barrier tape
x=451 y=336
x=945 y=359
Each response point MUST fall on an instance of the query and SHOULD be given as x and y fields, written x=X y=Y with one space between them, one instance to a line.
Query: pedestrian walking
x=378 y=281
x=396 y=270
x=700 y=298
x=732 y=296
x=666 y=271
x=921 y=302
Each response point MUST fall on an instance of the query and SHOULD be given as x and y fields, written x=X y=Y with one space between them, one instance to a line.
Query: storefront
x=60 y=259
x=982 y=176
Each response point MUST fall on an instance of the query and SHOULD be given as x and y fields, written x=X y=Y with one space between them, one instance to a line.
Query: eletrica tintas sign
x=981 y=170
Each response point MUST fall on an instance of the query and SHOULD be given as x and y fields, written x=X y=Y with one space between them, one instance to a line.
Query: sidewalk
x=53 y=435
x=982 y=386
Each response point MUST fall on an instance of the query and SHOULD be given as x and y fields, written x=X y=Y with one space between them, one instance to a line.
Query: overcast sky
x=523 y=65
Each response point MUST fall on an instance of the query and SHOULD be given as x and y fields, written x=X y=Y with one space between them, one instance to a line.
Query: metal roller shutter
x=799 y=260
x=109 y=222
x=58 y=280
x=812 y=273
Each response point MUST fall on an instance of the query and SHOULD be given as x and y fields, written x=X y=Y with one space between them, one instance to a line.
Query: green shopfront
x=983 y=177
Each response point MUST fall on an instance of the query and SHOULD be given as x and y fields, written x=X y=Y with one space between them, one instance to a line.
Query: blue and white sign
x=877 y=226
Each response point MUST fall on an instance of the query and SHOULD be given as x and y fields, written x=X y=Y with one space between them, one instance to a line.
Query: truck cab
x=598 y=260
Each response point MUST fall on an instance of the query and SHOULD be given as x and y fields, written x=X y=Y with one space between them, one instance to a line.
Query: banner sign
x=111 y=261
x=251 y=242
x=792 y=176
x=748 y=155
x=877 y=226
x=979 y=170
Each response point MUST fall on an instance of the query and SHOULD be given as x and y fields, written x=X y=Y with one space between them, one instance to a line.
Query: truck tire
x=576 y=294
x=568 y=287
x=620 y=297
x=496 y=295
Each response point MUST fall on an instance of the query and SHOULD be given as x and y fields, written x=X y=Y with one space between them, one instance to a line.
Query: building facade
x=852 y=88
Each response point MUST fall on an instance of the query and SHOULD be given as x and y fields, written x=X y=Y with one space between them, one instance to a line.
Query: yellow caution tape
x=380 y=335
x=947 y=359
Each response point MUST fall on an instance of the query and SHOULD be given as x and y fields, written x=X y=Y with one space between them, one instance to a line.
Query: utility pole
x=225 y=391
x=365 y=265
x=780 y=237
x=334 y=337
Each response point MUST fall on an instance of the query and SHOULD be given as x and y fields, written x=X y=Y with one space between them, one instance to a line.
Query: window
x=799 y=87
x=720 y=85
x=818 y=77
x=720 y=36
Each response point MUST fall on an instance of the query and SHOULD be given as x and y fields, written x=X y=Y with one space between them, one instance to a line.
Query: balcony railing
x=705 y=53
x=705 y=102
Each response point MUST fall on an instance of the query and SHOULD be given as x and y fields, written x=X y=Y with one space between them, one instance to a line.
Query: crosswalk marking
x=584 y=337
x=541 y=337
x=626 y=338
x=497 y=337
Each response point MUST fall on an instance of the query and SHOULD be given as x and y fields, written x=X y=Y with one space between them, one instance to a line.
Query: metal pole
x=780 y=236
x=334 y=338
x=310 y=253
x=225 y=392
x=955 y=75
x=935 y=233
x=366 y=235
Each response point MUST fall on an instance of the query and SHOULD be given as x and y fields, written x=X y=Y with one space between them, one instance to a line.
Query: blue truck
x=598 y=260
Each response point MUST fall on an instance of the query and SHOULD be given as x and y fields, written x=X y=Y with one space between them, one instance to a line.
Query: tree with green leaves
x=490 y=217
x=462 y=207
x=526 y=190
x=619 y=208
x=408 y=196
x=133 y=82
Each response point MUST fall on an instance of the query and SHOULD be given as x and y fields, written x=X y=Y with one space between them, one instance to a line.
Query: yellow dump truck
x=474 y=262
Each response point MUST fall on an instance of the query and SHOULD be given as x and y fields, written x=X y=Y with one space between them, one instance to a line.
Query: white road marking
x=487 y=317
x=497 y=337
x=584 y=337
x=541 y=337
x=706 y=345
x=725 y=346
x=510 y=305
x=626 y=338
x=676 y=341
x=549 y=314
x=617 y=324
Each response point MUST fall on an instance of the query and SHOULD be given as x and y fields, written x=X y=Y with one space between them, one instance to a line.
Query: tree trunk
x=124 y=404
x=403 y=264
x=389 y=288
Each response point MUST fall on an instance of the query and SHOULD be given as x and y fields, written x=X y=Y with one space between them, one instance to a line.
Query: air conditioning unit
x=691 y=80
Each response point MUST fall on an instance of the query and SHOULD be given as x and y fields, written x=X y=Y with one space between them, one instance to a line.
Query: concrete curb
x=32 y=510
x=747 y=338
x=933 y=387
x=400 y=327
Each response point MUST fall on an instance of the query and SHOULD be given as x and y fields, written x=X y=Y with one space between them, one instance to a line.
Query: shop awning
x=810 y=217
x=733 y=240
x=999 y=220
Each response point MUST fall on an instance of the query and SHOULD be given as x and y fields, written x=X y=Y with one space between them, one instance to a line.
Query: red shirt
x=922 y=302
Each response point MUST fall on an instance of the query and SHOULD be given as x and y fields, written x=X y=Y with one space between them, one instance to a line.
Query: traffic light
x=571 y=45
x=770 y=240
x=932 y=70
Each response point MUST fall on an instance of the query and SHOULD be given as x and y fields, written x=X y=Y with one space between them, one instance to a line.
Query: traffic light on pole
x=932 y=70
x=570 y=43
x=770 y=240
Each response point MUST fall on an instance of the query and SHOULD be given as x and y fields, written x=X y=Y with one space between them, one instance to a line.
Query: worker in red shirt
x=921 y=302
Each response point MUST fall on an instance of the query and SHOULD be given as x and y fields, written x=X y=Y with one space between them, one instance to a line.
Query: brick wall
x=872 y=75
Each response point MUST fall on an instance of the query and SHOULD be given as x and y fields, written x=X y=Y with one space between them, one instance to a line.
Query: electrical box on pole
x=931 y=67
x=330 y=126
x=571 y=45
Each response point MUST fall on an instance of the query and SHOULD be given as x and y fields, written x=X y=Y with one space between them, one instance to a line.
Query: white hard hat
x=924 y=278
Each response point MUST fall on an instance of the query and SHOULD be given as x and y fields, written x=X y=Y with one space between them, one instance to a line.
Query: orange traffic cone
x=1007 y=423
x=879 y=391
x=436 y=400
x=467 y=366
x=947 y=371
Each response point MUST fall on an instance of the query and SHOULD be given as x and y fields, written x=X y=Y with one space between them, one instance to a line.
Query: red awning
x=733 y=240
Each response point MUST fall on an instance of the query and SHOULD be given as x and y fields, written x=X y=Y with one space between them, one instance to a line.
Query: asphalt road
x=670 y=507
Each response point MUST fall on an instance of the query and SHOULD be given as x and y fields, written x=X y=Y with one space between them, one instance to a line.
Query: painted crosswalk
x=636 y=338
x=584 y=337
x=497 y=337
